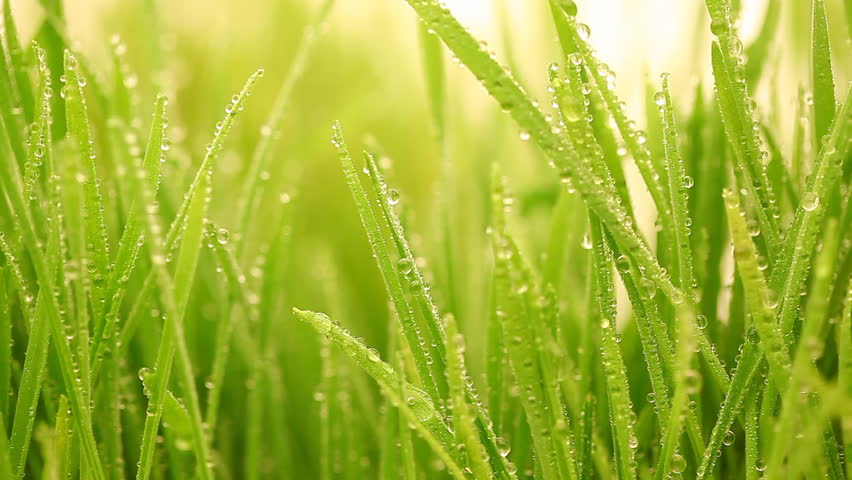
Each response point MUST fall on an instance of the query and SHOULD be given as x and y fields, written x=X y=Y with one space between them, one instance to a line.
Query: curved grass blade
x=271 y=130
x=463 y=416
x=405 y=313
x=413 y=402
x=822 y=76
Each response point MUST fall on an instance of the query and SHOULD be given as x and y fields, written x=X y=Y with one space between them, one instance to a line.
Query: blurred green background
x=366 y=71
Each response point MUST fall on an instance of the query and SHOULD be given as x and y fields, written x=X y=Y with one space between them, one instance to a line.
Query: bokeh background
x=367 y=72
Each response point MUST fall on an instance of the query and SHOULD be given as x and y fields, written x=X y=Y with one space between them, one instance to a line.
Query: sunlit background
x=367 y=73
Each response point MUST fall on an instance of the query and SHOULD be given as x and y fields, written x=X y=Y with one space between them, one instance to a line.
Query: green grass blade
x=463 y=415
x=731 y=98
x=132 y=238
x=5 y=459
x=743 y=376
x=214 y=149
x=522 y=357
x=512 y=98
x=762 y=302
x=387 y=268
x=413 y=402
x=410 y=271
x=844 y=357
x=822 y=75
x=617 y=388
x=20 y=75
x=5 y=344
x=789 y=276
x=97 y=239
x=757 y=52
x=635 y=140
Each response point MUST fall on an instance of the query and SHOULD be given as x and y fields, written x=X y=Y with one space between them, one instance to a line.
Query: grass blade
x=410 y=329
x=463 y=416
x=413 y=402
x=617 y=388
x=822 y=76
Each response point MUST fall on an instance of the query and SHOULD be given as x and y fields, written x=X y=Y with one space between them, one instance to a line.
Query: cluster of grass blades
x=111 y=256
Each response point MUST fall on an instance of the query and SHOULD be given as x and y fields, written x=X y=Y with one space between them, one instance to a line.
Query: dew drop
x=222 y=236
x=622 y=263
x=810 y=201
x=678 y=463
x=584 y=31
x=660 y=99
x=393 y=196
x=729 y=438
x=718 y=27
x=524 y=135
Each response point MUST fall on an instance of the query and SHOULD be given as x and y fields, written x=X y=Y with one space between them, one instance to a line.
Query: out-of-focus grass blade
x=844 y=357
x=388 y=270
x=463 y=416
x=20 y=75
x=271 y=129
x=822 y=76
x=617 y=388
x=5 y=460
x=757 y=52
x=5 y=344
x=414 y=403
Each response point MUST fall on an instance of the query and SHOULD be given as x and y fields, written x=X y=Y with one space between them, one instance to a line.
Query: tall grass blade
x=405 y=313
x=822 y=75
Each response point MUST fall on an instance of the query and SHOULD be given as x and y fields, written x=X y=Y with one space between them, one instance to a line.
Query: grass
x=523 y=330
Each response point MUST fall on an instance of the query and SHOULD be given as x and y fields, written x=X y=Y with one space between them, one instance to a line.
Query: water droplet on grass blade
x=678 y=464
x=810 y=201
x=222 y=236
